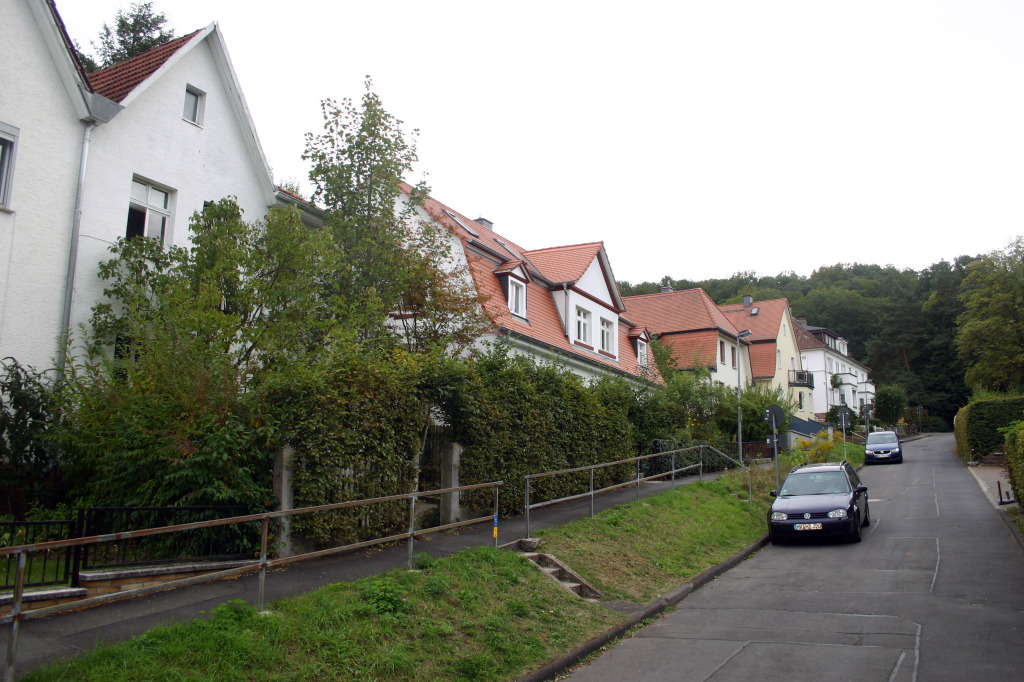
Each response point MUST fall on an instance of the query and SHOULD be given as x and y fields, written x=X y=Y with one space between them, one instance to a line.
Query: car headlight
x=895 y=451
x=779 y=516
x=837 y=514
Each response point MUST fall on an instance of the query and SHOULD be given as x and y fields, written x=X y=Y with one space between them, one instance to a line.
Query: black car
x=819 y=500
x=883 y=446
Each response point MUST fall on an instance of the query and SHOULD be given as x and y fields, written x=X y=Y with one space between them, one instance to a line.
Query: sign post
x=775 y=416
x=844 y=422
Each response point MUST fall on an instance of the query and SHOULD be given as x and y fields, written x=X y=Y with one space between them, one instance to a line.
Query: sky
x=695 y=139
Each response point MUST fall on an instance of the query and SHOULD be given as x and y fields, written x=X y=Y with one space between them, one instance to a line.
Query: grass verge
x=481 y=614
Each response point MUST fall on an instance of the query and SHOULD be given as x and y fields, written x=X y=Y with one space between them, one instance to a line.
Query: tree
x=990 y=330
x=394 y=270
x=890 y=401
x=134 y=32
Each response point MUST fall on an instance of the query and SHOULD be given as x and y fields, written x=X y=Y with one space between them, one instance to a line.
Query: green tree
x=890 y=401
x=990 y=330
x=394 y=269
x=136 y=31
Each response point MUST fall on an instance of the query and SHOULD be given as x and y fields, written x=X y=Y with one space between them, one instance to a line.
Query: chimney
x=486 y=223
x=665 y=289
x=748 y=301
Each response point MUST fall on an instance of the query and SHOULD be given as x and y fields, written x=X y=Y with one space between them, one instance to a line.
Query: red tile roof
x=764 y=326
x=544 y=324
x=804 y=339
x=678 y=311
x=565 y=263
x=117 y=81
x=694 y=348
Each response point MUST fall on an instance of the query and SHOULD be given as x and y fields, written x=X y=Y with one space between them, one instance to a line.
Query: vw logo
x=807 y=516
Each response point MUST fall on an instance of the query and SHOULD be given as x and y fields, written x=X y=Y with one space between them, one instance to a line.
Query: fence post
x=412 y=526
x=527 y=479
x=12 y=641
x=263 y=563
x=638 y=480
x=495 y=516
x=673 y=468
x=591 y=492
x=701 y=470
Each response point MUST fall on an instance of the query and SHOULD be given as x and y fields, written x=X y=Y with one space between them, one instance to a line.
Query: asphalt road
x=934 y=592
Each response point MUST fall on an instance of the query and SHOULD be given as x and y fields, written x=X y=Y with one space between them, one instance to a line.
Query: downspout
x=565 y=320
x=76 y=223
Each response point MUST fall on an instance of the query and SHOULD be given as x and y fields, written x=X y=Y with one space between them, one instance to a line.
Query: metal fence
x=52 y=567
x=647 y=468
x=23 y=552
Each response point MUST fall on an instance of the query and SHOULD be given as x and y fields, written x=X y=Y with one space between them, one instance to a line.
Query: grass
x=481 y=614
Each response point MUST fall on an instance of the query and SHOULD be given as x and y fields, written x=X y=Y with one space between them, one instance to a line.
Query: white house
x=839 y=378
x=133 y=149
x=559 y=303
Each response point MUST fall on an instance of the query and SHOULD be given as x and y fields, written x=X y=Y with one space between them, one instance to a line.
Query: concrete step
x=564 y=576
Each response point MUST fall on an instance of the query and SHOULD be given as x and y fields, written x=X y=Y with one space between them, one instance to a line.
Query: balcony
x=799 y=377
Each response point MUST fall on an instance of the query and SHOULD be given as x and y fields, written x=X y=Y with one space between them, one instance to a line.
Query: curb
x=567 y=660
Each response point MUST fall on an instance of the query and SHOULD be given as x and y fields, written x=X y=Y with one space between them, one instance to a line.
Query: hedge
x=978 y=426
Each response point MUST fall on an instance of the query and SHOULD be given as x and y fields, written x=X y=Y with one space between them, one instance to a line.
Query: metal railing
x=262 y=565
x=45 y=568
x=635 y=481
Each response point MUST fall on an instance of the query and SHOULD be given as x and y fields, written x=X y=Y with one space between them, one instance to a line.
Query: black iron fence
x=62 y=566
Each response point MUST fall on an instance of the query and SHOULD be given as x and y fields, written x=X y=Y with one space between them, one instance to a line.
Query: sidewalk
x=45 y=640
x=993 y=479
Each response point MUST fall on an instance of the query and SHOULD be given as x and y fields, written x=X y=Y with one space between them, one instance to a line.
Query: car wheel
x=855 y=535
x=867 y=515
x=775 y=539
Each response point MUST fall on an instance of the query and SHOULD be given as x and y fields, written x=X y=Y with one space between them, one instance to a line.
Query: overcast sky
x=695 y=139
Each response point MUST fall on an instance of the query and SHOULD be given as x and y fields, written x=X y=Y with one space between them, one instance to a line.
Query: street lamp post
x=739 y=392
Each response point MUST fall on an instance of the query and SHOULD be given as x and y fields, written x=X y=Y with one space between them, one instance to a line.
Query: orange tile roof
x=544 y=324
x=693 y=348
x=565 y=263
x=764 y=325
x=678 y=311
x=804 y=339
x=117 y=81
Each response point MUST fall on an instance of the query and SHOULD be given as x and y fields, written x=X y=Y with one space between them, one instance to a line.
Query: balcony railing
x=798 y=377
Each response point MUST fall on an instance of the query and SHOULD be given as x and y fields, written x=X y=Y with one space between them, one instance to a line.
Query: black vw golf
x=819 y=500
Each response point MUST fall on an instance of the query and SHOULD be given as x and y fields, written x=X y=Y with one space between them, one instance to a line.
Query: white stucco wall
x=35 y=233
x=149 y=139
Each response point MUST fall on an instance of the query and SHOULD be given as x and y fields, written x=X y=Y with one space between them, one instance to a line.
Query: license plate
x=881 y=455
x=806 y=526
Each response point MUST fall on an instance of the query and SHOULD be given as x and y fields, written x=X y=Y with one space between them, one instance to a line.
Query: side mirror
x=773 y=494
x=861 y=489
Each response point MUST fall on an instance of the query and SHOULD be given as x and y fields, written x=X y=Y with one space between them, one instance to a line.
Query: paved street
x=934 y=592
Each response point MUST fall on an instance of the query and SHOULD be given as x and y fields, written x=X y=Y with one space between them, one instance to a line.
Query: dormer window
x=195 y=105
x=582 y=325
x=641 y=352
x=517 y=297
x=608 y=336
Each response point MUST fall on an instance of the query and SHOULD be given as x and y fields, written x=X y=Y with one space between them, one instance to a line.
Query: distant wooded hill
x=901 y=323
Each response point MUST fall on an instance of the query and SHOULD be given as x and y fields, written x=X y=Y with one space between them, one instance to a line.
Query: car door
x=859 y=499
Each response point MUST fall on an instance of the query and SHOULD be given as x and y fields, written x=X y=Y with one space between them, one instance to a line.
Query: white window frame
x=8 y=154
x=778 y=359
x=583 y=325
x=721 y=349
x=516 y=297
x=641 y=352
x=607 y=336
x=194 y=114
x=155 y=202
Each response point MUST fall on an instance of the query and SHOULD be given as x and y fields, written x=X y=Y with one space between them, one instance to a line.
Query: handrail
x=17 y=615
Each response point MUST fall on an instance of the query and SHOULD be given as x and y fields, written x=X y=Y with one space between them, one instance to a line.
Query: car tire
x=855 y=536
x=867 y=515
x=776 y=540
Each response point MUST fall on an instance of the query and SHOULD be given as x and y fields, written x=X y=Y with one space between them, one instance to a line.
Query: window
x=8 y=146
x=195 y=105
x=582 y=325
x=607 y=336
x=800 y=395
x=149 y=212
x=721 y=351
x=517 y=297
x=641 y=352
x=778 y=359
x=733 y=349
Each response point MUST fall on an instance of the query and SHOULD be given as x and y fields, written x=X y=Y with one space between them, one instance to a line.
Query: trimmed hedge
x=978 y=426
x=1015 y=457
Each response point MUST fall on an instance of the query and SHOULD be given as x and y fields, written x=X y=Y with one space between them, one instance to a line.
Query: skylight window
x=755 y=310
x=463 y=225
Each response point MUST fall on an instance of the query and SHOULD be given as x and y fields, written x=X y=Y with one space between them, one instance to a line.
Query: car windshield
x=881 y=437
x=816 y=483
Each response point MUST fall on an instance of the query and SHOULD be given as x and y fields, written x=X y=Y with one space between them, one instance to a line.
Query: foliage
x=978 y=425
x=357 y=429
x=890 y=401
x=134 y=31
x=392 y=265
x=29 y=413
x=990 y=334
x=1014 y=447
